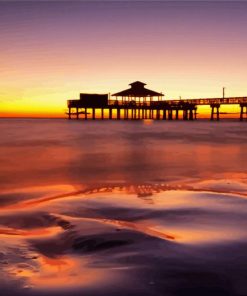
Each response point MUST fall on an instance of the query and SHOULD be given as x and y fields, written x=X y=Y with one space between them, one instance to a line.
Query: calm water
x=123 y=208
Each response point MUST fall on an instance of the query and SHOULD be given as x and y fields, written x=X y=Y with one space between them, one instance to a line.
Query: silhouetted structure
x=138 y=102
x=214 y=107
x=243 y=111
x=92 y=101
x=137 y=94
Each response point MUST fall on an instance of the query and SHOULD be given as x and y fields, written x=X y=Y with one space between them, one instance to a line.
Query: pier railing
x=165 y=103
x=209 y=101
x=155 y=104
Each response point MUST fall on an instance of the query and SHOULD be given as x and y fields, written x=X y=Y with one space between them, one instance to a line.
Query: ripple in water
x=141 y=239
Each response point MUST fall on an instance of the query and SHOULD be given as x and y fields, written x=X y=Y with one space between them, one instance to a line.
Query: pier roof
x=138 y=89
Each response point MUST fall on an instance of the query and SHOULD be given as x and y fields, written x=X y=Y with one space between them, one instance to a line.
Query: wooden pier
x=137 y=113
x=138 y=103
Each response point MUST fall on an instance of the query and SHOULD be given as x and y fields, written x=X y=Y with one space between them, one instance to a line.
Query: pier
x=138 y=103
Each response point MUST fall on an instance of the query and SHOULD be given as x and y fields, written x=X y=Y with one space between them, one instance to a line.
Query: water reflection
x=60 y=273
x=88 y=238
x=108 y=208
x=133 y=152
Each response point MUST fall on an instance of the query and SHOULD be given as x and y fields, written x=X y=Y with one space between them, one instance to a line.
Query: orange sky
x=50 y=52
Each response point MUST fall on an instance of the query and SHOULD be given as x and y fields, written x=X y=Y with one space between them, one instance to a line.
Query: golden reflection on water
x=144 y=192
x=36 y=232
x=61 y=273
x=193 y=213
x=148 y=121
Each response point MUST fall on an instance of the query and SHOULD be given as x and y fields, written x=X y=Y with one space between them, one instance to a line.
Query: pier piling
x=213 y=112
x=243 y=111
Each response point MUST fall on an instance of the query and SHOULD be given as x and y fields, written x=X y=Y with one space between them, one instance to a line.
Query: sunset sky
x=52 y=51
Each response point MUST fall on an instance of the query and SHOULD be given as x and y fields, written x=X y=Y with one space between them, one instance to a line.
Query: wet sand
x=128 y=209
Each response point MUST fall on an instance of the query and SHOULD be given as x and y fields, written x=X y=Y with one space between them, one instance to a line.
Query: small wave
x=142 y=191
x=124 y=224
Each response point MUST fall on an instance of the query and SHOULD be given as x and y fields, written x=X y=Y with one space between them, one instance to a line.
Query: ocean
x=123 y=208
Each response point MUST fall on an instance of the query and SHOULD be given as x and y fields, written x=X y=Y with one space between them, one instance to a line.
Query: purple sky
x=51 y=51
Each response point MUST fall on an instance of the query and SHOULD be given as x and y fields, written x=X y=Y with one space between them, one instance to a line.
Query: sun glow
x=48 y=56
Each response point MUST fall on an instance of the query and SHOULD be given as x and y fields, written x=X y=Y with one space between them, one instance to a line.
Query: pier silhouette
x=138 y=102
